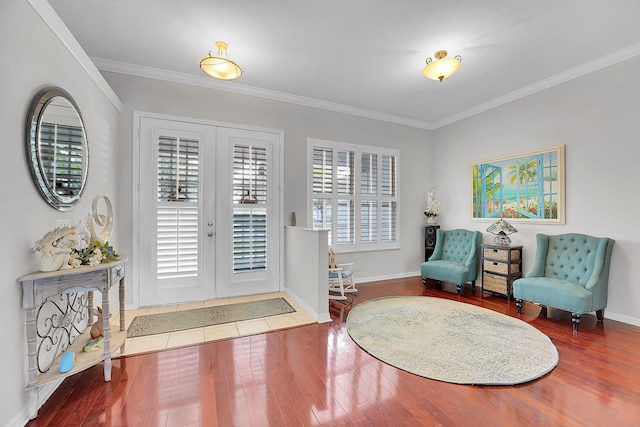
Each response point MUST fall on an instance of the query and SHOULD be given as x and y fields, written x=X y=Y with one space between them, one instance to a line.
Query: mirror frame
x=34 y=119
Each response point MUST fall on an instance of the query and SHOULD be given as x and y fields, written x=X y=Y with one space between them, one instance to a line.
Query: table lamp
x=501 y=228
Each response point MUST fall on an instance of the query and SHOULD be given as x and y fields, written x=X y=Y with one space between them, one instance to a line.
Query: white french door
x=209 y=211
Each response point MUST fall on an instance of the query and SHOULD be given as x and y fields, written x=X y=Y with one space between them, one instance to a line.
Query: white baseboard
x=35 y=400
x=310 y=311
x=622 y=318
x=607 y=314
x=386 y=277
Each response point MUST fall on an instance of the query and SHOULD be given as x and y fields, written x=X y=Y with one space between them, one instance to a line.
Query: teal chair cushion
x=344 y=273
x=446 y=271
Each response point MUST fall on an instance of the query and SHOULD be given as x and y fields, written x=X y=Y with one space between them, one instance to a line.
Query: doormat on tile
x=161 y=323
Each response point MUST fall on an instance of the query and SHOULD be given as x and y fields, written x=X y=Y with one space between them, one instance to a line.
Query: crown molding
x=206 y=82
x=574 y=73
x=51 y=18
x=93 y=65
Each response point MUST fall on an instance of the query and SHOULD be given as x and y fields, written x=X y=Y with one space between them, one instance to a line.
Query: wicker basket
x=501 y=254
x=500 y=267
x=497 y=284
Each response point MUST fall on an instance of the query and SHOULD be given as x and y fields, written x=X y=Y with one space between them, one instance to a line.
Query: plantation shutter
x=369 y=193
x=250 y=207
x=177 y=210
x=389 y=194
x=322 y=183
x=345 y=180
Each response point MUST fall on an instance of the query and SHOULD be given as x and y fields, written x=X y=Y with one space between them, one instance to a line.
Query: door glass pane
x=177 y=234
x=249 y=223
x=249 y=240
x=178 y=169
x=249 y=174
x=177 y=240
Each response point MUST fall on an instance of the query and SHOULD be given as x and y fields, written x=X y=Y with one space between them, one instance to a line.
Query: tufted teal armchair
x=570 y=272
x=454 y=259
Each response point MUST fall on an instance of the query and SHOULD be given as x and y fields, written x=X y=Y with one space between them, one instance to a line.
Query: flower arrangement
x=433 y=206
x=94 y=254
x=432 y=211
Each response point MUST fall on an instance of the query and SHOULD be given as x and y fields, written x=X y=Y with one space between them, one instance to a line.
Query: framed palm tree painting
x=523 y=187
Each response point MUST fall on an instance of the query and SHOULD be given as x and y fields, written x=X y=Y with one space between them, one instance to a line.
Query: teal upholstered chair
x=570 y=272
x=454 y=259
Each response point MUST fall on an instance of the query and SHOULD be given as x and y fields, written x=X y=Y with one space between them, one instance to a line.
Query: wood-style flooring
x=315 y=375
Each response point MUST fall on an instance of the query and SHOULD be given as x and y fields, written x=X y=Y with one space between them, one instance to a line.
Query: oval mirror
x=57 y=148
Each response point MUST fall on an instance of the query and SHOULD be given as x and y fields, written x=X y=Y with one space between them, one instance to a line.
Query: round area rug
x=451 y=341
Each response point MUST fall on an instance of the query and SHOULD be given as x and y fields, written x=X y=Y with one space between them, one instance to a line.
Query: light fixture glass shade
x=219 y=66
x=442 y=67
x=501 y=228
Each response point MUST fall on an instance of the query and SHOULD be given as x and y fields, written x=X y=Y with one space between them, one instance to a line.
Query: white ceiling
x=363 y=57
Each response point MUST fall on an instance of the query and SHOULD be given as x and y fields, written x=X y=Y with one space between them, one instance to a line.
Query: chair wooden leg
x=424 y=283
x=519 y=306
x=473 y=285
x=600 y=315
x=459 y=288
x=575 y=320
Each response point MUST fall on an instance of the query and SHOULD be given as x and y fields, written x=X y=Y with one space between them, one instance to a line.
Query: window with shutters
x=250 y=207
x=354 y=194
x=178 y=174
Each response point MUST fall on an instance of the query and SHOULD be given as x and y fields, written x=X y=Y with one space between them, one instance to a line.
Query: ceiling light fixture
x=442 y=67
x=219 y=66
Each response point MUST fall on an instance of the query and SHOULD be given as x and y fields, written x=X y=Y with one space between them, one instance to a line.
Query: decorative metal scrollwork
x=59 y=321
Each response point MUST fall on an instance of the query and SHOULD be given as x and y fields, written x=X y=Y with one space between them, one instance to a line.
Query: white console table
x=39 y=286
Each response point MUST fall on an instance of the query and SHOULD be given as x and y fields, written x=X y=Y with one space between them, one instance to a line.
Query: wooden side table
x=39 y=286
x=501 y=265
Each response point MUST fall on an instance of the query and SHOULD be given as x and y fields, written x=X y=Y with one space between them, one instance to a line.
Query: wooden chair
x=340 y=278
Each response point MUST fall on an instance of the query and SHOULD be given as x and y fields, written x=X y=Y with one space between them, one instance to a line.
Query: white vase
x=431 y=219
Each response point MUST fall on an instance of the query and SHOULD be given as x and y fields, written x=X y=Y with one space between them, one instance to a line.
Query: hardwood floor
x=315 y=375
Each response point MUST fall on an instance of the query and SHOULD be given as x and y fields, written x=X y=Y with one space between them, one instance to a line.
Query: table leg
x=107 y=337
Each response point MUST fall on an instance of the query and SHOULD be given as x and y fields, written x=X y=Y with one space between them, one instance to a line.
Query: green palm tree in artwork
x=525 y=173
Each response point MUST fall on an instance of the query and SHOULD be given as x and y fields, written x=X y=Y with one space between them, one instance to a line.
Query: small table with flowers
x=39 y=286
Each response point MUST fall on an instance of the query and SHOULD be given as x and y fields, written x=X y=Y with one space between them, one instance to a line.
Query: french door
x=209 y=211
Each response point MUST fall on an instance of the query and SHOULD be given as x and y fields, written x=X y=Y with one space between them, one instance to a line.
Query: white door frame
x=134 y=266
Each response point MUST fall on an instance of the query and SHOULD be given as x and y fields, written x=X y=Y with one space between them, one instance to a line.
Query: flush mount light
x=219 y=66
x=442 y=67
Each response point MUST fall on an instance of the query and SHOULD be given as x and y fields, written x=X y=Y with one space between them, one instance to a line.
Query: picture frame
x=510 y=187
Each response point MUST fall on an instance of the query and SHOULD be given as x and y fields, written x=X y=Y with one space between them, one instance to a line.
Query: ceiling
x=362 y=57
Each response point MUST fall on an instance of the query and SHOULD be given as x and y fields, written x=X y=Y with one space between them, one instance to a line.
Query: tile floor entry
x=210 y=333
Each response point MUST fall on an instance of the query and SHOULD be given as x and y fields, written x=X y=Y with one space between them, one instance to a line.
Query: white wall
x=32 y=58
x=597 y=117
x=299 y=124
